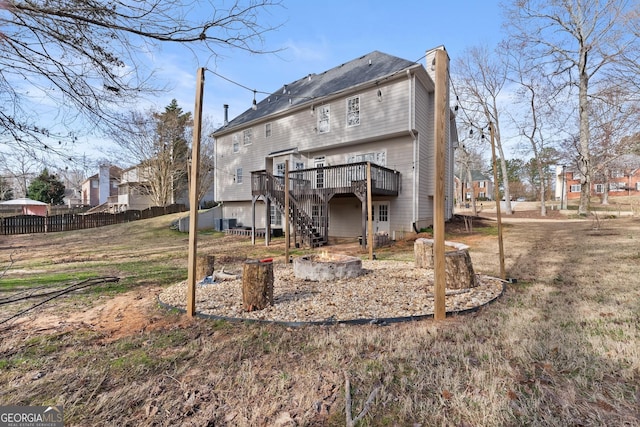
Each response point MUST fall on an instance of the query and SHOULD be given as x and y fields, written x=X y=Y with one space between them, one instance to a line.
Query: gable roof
x=372 y=67
x=476 y=175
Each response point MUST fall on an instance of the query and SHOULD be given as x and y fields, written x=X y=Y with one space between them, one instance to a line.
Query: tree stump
x=204 y=266
x=257 y=285
x=459 y=273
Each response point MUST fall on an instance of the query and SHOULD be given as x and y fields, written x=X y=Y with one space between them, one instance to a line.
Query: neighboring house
x=620 y=178
x=98 y=188
x=26 y=206
x=72 y=197
x=378 y=109
x=133 y=191
x=481 y=186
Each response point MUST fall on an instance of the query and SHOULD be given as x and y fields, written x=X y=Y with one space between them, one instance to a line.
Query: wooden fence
x=26 y=224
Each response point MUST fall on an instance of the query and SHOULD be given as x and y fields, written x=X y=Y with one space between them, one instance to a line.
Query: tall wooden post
x=496 y=196
x=193 y=196
x=369 y=212
x=440 y=140
x=286 y=211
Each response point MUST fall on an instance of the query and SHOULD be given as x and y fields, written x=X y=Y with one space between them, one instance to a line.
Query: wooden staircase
x=301 y=219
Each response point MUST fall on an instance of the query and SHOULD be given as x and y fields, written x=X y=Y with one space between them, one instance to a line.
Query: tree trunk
x=204 y=266
x=459 y=270
x=459 y=273
x=257 y=285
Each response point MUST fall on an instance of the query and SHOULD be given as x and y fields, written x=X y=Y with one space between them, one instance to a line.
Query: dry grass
x=562 y=347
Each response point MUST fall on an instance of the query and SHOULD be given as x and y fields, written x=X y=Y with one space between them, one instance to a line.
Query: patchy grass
x=562 y=347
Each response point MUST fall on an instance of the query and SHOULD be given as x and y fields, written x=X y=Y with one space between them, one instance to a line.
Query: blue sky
x=316 y=36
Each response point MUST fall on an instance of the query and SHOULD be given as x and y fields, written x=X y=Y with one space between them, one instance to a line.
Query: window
x=482 y=195
x=379 y=158
x=617 y=174
x=575 y=188
x=239 y=176
x=616 y=186
x=236 y=144
x=319 y=164
x=323 y=119
x=299 y=166
x=638 y=186
x=599 y=188
x=247 y=134
x=383 y=213
x=95 y=183
x=353 y=111
x=481 y=184
x=267 y=130
x=280 y=169
x=276 y=216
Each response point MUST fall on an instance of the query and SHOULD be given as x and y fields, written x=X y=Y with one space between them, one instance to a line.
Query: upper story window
x=239 y=176
x=617 y=174
x=481 y=184
x=247 y=134
x=575 y=188
x=95 y=184
x=236 y=144
x=353 y=111
x=324 y=113
x=267 y=130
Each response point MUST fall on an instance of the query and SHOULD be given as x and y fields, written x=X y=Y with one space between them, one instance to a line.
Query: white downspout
x=415 y=152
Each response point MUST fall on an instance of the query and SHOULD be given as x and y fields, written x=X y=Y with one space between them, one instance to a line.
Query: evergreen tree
x=46 y=188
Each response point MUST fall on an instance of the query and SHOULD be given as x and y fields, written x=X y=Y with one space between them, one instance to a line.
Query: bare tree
x=85 y=56
x=614 y=117
x=160 y=159
x=20 y=168
x=480 y=77
x=535 y=118
x=576 y=42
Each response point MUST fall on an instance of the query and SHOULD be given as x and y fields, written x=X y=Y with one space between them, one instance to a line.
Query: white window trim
x=348 y=111
x=235 y=145
x=268 y=130
x=247 y=135
x=324 y=112
x=239 y=177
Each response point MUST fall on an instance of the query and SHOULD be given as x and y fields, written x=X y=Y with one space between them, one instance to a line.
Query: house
x=481 y=186
x=97 y=188
x=377 y=109
x=620 y=177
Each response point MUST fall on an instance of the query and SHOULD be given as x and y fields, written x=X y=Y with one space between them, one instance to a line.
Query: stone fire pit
x=326 y=267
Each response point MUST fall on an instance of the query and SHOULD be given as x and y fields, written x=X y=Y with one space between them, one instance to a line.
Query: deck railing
x=337 y=179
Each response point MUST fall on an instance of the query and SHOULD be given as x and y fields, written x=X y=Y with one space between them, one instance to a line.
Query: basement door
x=380 y=211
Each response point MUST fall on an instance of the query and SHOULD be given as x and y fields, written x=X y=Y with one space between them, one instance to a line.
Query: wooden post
x=286 y=211
x=193 y=196
x=496 y=193
x=267 y=222
x=369 y=212
x=257 y=285
x=440 y=140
